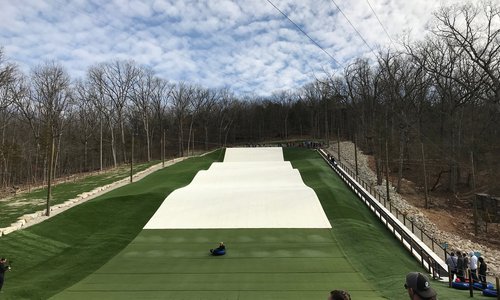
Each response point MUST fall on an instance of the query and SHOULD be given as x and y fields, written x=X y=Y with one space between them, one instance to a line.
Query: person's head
x=3 y=259
x=471 y=254
x=459 y=253
x=452 y=254
x=465 y=254
x=339 y=295
x=481 y=259
x=221 y=243
x=418 y=287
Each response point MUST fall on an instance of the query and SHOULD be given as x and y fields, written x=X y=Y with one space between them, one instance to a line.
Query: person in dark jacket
x=460 y=267
x=483 y=267
x=3 y=268
x=221 y=250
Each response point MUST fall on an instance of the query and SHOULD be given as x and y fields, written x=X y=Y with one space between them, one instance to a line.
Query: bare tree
x=474 y=30
x=115 y=81
x=51 y=93
x=11 y=89
x=181 y=97
x=142 y=96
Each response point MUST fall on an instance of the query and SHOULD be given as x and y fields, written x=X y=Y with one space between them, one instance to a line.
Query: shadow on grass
x=51 y=256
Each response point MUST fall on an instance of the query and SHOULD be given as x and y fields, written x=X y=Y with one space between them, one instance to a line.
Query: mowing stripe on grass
x=263 y=263
x=59 y=252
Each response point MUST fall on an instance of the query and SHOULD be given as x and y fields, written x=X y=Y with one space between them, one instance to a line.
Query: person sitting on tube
x=221 y=250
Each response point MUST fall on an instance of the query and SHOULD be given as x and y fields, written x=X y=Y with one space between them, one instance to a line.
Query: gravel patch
x=455 y=242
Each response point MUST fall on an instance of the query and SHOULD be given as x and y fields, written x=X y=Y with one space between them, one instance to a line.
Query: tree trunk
x=100 y=145
x=401 y=158
x=113 y=148
x=85 y=155
x=181 y=139
x=378 y=163
x=56 y=161
x=124 y=150
x=190 y=133
x=49 y=180
x=206 y=137
x=148 y=144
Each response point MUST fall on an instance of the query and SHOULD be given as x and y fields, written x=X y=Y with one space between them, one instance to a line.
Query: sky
x=247 y=46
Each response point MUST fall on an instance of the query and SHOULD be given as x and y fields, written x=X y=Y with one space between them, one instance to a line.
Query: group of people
x=460 y=263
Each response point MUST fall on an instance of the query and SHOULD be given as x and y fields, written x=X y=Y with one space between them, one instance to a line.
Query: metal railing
x=414 y=238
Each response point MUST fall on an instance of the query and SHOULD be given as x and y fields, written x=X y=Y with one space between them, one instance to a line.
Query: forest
x=441 y=94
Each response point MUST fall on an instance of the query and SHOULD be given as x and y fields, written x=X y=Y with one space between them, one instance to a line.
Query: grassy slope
x=26 y=203
x=47 y=263
x=266 y=264
x=59 y=252
x=371 y=248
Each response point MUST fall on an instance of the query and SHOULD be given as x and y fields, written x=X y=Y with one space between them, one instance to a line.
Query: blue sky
x=245 y=45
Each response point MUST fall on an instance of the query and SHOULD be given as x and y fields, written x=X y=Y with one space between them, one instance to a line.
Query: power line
x=350 y=23
x=380 y=22
x=303 y=32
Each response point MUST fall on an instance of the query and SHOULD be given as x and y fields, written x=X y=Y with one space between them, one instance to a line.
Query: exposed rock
x=454 y=241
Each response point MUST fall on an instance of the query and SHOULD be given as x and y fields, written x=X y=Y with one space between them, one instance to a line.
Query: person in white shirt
x=473 y=266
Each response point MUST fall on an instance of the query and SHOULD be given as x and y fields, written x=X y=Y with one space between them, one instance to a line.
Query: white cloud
x=245 y=44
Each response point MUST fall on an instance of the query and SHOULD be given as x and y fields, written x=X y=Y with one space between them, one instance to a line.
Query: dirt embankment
x=447 y=221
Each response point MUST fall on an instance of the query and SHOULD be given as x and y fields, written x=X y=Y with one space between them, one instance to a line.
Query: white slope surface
x=252 y=188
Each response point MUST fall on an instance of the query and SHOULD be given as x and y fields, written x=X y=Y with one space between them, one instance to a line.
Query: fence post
x=498 y=288
x=471 y=285
x=432 y=242
x=450 y=277
x=412 y=229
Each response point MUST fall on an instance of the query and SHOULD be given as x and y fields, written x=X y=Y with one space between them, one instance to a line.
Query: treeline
x=441 y=94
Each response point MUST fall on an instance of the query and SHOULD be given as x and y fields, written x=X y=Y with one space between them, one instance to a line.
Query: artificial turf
x=357 y=254
x=260 y=264
x=51 y=256
x=369 y=246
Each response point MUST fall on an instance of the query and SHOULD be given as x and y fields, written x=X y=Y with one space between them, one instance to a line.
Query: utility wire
x=307 y=35
x=380 y=22
x=350 y=23
x=397 y=114
x=402 y=119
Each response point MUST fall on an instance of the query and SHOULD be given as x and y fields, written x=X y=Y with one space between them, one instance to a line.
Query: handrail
x=428 y=259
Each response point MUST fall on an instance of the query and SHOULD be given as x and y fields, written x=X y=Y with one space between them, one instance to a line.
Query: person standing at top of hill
x=451 y=261
x=473 y=266
x=3 y=268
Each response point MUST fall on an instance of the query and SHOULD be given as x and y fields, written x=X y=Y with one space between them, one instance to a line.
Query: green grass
x=97 y=239
x=30 y=202
x=260 y=264
x=59 y=252
x=369 y=246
